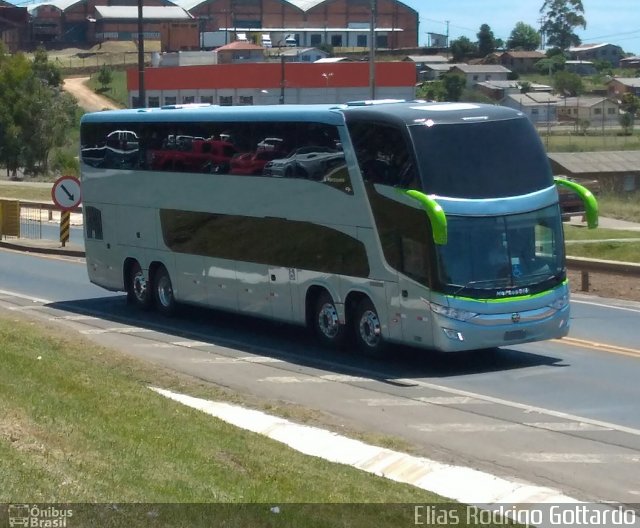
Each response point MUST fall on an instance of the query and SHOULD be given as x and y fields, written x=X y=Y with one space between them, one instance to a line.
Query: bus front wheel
x=138 y=287
x=163 y=292
x=326 y=322
x=367 y=329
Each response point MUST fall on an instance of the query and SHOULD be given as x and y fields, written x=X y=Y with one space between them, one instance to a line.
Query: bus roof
x=409 y=113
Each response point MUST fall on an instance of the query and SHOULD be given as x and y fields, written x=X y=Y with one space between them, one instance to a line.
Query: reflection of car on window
x=122 y=140
x=305 y=162
x=195 y=155
x=252 y=162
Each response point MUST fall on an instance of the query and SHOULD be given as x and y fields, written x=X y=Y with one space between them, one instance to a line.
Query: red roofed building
x=268 y=83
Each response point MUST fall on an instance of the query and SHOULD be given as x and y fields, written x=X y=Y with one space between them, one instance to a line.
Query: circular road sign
x=66 y=192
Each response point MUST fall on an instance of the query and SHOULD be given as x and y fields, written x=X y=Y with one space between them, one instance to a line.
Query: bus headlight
x=560 y=302
x=452 y=313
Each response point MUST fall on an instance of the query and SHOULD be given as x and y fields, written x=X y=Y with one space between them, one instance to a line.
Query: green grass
x=19 y=192
x=617 y=251
x=79 y=424
x=626 y=207
x=116 y=91
x=582 y=233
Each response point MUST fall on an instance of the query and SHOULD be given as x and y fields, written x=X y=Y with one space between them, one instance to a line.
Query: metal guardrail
x=581 y=264
x=587 y=265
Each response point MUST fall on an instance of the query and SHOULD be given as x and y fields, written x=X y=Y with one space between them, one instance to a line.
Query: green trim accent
x=590 y=202
x=511 y=299
x=435 y=213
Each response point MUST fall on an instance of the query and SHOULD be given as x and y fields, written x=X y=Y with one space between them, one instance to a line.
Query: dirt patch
x=605 y=285
x=86 y=97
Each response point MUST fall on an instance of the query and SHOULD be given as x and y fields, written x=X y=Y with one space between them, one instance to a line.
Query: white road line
x=612 y=306
x=575 y=458
x=529 y=409
x=410 y=402
x=25 y=308
x=568 y=426
x=116 y=330
x=341 y=378
x=225 y=360
x=466 y=427
x=74 y=318
x=22 y=296
x=455 y=482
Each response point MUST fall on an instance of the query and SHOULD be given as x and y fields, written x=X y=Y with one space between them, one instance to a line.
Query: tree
x=35 y=114
x=551 y=64
x=454 y=84
x=568 y=84
x=629 y=104
x=562 y=17
x=105 y=77
x=523 y=37
x=462 y=48
x=432 y=91
x=486 y=41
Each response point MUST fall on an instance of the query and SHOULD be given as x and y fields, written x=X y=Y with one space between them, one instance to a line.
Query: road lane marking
x=434 y=400
x=327 y=378
x=116 y=330
x=594 y=345
x=74 y=318
x=575 y=458
x=602 y=305
x=22 y=296
x=561 y=427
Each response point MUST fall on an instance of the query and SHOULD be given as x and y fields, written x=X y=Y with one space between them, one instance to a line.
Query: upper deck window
x=486 y=159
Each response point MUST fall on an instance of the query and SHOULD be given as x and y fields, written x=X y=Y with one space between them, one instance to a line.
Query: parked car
x=252 y=163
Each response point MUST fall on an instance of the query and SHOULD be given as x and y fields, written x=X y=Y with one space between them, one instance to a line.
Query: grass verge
x=78 y=424
x=24 y=192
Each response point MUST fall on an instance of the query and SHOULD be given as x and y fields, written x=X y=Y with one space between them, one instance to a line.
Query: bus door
x=100 y=243
x=414 y=307
x=280 y=281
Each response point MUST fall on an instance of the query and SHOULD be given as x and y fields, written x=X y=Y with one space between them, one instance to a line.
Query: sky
x=611 y=21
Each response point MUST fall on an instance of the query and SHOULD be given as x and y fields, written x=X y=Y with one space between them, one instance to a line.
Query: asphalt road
x=562 y=414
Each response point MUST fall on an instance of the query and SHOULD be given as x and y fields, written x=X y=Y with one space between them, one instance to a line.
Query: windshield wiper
x=491 y=282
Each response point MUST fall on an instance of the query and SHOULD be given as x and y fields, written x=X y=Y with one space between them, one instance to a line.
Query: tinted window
x=481 y=160
x=272 y=241
x=311 y=151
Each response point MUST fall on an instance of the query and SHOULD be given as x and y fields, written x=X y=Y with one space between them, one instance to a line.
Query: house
x=520 y=61
x=615 y=170
x=475 y=73
x=596 y=110
x=592 y=52
x=433 y=72
x=498 y=90
x=538 y=107
x=239 y=52
x=630 y=62
x=302 y=54
x=580 y=67
x=618 y=86
x=421 y=61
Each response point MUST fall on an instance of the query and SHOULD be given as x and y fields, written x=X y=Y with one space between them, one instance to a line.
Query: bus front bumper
x=502 y=329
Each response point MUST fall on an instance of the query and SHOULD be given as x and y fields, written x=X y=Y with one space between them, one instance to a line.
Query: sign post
x=67 y=195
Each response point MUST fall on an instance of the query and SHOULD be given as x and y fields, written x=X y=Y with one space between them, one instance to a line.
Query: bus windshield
x=502 y=255
x=481 y=159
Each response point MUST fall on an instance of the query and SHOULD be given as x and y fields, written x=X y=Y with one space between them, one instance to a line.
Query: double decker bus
x=430 y=224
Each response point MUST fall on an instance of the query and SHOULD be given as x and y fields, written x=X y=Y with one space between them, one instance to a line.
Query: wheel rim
x=140 y=286
x=328 y=320
x=165 y=292
x=369 y=328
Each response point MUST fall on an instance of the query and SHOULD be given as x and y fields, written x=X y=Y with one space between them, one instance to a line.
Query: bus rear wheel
x=367 y=329
x=163 y=292
x=326 y=322
x=138 y=287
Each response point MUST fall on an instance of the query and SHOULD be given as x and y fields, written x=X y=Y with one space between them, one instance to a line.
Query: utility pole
x=142 y=96
x=372 y=51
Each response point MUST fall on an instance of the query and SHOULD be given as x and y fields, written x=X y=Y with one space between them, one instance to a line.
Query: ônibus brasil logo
x=34 y=516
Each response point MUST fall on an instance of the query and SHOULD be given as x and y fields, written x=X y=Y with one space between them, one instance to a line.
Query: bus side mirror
x=587 y=197
x=435 y=213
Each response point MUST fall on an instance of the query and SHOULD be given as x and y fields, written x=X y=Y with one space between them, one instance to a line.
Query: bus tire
x=138 y=287
x=326 y=322
x=165 y=301
x=367 y=329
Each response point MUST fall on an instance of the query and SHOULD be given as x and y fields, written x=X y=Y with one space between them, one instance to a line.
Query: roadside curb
x=42 y=250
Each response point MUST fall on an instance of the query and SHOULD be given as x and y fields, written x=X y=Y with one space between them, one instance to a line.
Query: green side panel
x=590 y=202
x=435 y=213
